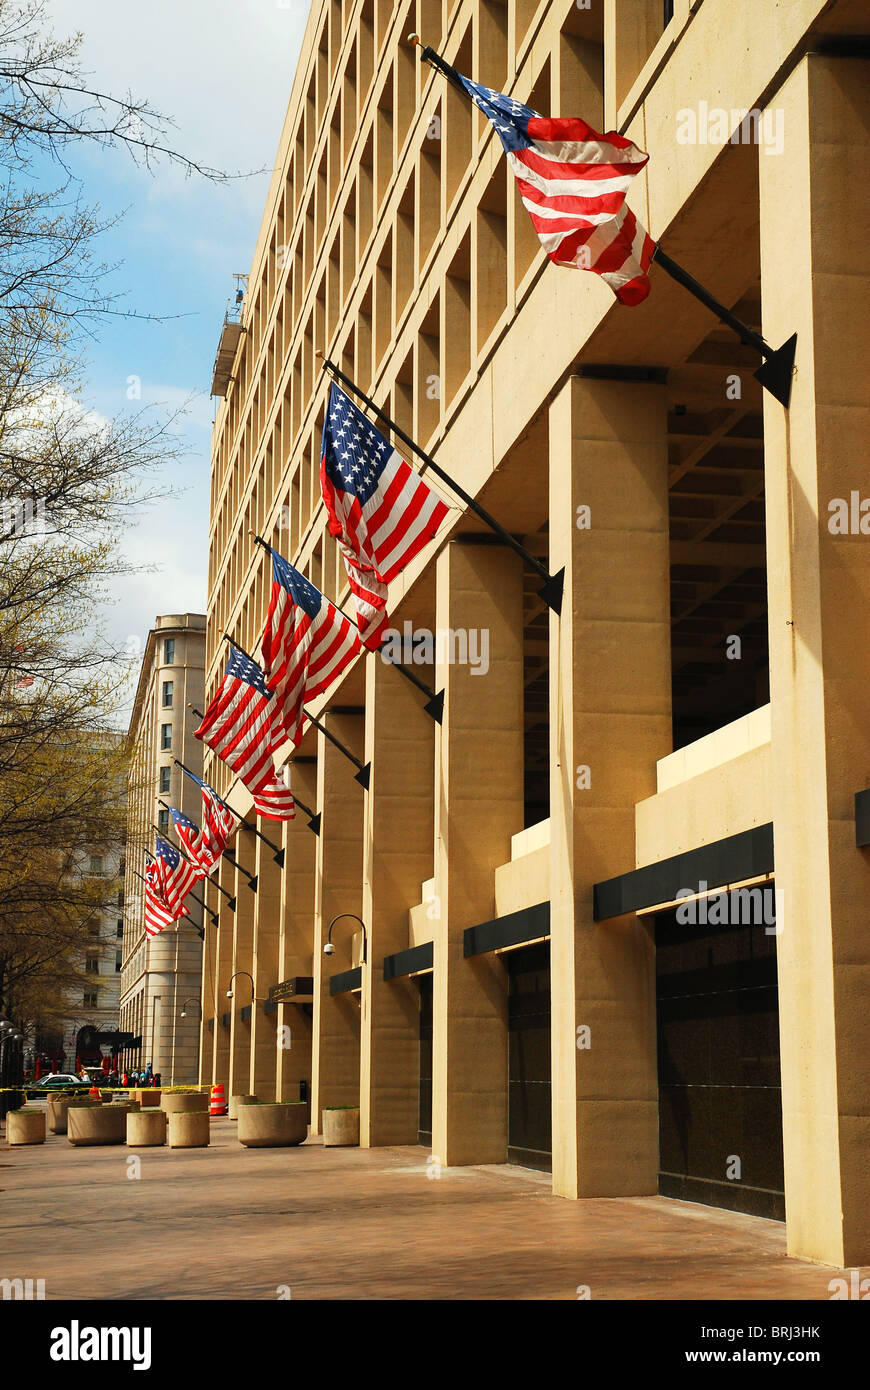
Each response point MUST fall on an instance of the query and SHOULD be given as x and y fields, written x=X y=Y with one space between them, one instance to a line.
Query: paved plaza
x=314 y=1223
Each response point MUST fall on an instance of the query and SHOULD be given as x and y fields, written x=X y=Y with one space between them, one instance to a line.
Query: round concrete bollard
x=147 y=1096
x=174 y=1102
x=188 y=1129
x=341 y=1127
x=273 y=1126
x=25 y=1127
x=236 y=1101
x=146 y=1128
x=96 y=1124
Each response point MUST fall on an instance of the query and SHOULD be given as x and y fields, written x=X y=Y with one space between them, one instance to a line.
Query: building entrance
x=720 y=1104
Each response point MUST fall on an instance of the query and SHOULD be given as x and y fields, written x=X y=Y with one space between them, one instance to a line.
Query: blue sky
x=222 y=69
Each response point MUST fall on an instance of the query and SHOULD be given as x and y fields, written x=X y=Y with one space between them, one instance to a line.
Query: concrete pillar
x=267 y=927
x=297 y=937
x=632 y=28
x=397 y=858
x=224 y=955
x=816 y=282
x=478 y=806
x=243 y=848
x=610 y=720
x=337 y=888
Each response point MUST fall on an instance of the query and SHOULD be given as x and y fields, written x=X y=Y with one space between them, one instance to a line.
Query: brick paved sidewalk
x=228 y=1222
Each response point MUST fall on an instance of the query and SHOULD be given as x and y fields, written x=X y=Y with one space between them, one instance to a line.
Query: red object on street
x=218 y=1100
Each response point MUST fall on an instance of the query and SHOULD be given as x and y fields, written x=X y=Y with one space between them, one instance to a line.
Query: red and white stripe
x=302 y=657
x=573 y=183
x=395 y=523
x=239 y=726
x=370 y=598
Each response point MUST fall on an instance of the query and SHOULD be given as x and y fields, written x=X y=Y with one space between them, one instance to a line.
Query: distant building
x=159 y=974
x=92 y=1003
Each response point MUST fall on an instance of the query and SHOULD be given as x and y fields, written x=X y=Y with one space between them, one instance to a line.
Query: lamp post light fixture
x=233 y=977
x=329 y=949
x=185 y=1003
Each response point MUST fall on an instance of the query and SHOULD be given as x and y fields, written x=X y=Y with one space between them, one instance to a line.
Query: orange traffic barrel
x=218 y=1100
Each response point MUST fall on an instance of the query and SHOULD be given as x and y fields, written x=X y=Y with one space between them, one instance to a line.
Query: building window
x=96 y=864
x=169 y=651
x=120 y=928
x=167 y=694
x=117 y=960
x=165 y=737
x=163 y=821
x=165 y=774
x=120 y=897
x=89 y=999
x=92 y=965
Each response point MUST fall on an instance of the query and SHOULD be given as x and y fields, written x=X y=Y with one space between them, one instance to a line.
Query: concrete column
x=337 y=888
x=397 y=858
x=610 y=720
x=478 y=806
x=297 y=938
x=243 y=958
x=816 y=282
x=209 y=963
x=632 y=28
x=223 y=971
x=267 y=926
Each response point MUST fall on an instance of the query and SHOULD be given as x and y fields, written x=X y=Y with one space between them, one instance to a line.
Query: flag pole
x=777 y=368
x=553 y=585
x=434 y=705
x=231 y=904
x=252 y=878
x=363 y=774
x=278 y=856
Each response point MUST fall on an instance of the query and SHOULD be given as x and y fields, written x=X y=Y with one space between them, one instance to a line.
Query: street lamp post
x=329 y=949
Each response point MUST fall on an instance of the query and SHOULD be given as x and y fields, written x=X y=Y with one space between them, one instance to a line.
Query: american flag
x=158 y=914
x=306 y=644
x=218 y=824
x=379 y=509
x=175 y=875
x=573 y=183
x=242 y=725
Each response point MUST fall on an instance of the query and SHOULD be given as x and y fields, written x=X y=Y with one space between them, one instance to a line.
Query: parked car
x=56 y=1081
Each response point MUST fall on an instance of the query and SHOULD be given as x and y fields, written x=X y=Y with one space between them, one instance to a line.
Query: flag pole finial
x=416 y=40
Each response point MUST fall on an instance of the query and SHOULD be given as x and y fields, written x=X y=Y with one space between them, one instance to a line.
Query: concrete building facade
x=549 y=976
x=161 y=976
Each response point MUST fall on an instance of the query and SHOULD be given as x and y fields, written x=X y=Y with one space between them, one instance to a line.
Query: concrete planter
x=147 y=1096
x=237 y=1101
x=146 y=1128
x=174 y=1102
x=188 y=1129
x=96 y=1124
x=273 y=1126
x=25 y=1127
x=341 y=1128
x=57 y=1111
